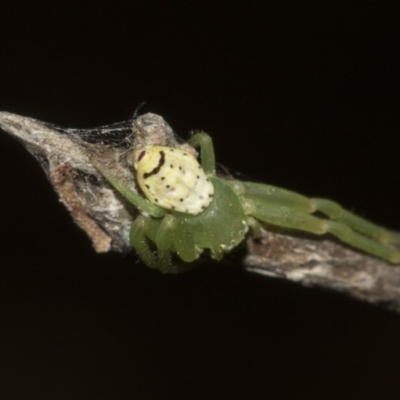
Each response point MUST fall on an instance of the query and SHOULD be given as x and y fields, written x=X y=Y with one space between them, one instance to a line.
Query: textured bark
x=70 y=156
x=325 y=263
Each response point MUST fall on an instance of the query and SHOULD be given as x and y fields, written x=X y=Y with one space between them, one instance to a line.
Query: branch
x=325 y=263
x=69 y=158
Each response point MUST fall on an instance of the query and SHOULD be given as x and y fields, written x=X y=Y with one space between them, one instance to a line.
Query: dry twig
x=69 y=157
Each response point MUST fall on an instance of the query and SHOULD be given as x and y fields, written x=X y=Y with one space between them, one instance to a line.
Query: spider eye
x=141 y=155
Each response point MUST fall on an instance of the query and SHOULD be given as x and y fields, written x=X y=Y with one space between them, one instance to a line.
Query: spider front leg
x=337 y=212
x=304 y=204
x=281 y=207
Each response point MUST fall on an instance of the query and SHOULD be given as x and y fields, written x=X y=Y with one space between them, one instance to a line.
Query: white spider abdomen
x=173 y=179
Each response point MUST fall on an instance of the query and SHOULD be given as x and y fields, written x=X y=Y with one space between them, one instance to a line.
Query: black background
x=303 y=95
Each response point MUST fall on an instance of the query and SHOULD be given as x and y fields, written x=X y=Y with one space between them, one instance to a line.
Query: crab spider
x=185 y=208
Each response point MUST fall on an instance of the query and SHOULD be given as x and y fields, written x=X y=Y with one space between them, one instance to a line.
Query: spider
x=185 y=208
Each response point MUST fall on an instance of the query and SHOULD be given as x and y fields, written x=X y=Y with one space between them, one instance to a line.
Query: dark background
x=303 y=95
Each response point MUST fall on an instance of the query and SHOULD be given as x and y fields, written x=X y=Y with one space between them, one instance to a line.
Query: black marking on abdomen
x=156 y=170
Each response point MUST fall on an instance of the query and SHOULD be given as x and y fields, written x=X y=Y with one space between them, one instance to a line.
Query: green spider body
x=186 y=209
x=219 y=228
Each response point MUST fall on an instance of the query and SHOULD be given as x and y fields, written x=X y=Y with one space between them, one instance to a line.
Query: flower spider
x=185 y=208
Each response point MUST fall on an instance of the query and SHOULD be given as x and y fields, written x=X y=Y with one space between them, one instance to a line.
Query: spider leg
x=371 y=246
x=171 y=233
x=287 y=217
x=143 y=229
x=207 y=151
x=133 y=197
x=184 y=244
x=273 y=194
x=255 y=226
x=336 y=212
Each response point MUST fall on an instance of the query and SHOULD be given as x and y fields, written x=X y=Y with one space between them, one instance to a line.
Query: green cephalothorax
x=185 y=209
